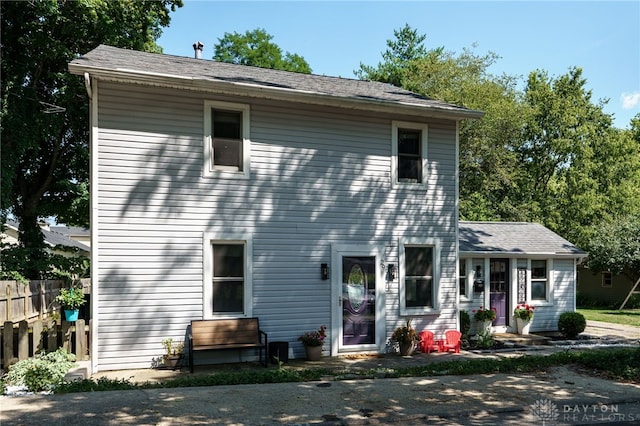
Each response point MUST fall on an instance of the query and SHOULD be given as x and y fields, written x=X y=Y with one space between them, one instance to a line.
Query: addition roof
x=513 y=238
x=118 y=64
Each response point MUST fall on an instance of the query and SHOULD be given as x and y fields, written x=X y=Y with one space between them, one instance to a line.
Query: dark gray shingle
x=112 y=59
x=513 y=238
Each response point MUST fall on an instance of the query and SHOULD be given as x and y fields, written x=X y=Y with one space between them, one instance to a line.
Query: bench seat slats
x=221 y=334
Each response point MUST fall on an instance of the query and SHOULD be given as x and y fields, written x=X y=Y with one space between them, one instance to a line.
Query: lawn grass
x=627 y=316
x=614 y=363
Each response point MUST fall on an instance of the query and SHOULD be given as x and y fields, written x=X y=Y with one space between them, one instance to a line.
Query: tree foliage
x=546 y=153
x=45 y=155
x=254 y=48
x=615 y=247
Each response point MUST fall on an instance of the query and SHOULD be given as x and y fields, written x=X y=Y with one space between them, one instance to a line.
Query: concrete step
x=522 y=339
x=80 y=372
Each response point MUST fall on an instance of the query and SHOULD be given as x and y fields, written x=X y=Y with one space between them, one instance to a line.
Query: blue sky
x=334 y=37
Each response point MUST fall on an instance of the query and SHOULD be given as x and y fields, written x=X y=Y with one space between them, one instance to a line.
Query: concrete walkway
x=562 y=395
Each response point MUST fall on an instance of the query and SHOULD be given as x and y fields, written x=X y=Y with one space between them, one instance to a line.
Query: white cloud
x=630 y=100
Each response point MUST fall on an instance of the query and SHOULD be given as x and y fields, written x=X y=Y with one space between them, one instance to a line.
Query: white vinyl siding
x=319 y=177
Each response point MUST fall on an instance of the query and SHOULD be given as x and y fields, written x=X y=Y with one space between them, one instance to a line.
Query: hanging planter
x=70 y=300
x=71 y=315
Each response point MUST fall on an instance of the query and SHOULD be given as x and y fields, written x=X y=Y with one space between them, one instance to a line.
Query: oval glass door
x=358 y=300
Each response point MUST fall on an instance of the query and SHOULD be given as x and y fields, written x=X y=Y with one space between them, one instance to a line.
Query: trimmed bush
x=570 y=324
x=465 y=324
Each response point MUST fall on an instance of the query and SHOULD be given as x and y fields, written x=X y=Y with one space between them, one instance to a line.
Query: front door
x=499 y=289
x=358 y=301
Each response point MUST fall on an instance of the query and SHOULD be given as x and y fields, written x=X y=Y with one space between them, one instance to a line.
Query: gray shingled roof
x=513 y=238
x=107 y=61
x=53 y=238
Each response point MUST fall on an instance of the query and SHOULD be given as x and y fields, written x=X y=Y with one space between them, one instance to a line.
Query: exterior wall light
x=392 y=271
x=324 y=271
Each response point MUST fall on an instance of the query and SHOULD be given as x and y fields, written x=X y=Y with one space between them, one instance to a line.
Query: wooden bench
x=223 y=334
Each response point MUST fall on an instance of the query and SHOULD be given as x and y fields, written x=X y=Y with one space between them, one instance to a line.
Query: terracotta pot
x=406 y=349
x=313 y=352
x=171 y=361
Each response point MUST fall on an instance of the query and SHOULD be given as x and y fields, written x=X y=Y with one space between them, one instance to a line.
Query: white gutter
x=126 y=75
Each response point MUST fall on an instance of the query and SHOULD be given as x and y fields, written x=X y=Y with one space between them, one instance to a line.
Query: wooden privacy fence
x=23 y=340
x=33 y=300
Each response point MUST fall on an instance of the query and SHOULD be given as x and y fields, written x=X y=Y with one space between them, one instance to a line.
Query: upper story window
x=539 y=280
x=226 y=141
x=409 y=154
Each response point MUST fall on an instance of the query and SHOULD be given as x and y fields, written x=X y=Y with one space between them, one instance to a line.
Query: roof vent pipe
x=197 y=47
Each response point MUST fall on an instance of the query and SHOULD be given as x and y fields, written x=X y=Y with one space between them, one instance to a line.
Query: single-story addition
x=503 y=264
x=227 y=191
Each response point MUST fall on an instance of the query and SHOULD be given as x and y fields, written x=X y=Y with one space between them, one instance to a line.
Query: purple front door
x=499 y=289
x=358 y=300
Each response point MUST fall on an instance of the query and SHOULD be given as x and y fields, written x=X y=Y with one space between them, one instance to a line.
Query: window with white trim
x=463 y=278
x=227 y=139
x=539 y=280
x=409 y=153
x=419 y=278
x=227 y=279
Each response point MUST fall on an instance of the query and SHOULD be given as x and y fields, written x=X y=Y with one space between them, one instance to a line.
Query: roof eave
x=522 y=253
x=277 y=93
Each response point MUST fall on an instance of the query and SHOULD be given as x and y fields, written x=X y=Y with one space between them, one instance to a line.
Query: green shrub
x=42 y=372
x=465 y=325
x=485 y=339
x=570 y=324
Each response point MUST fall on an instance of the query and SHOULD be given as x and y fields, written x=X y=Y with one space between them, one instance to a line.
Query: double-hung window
x=539 y=280
x=226 y=142
x=607 y=279
x=419 y=278
x=463 y=287
x=227 y=281
x=409 y=154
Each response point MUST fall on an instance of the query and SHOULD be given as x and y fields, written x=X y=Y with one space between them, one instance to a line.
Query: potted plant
x=313 y=341
x=523 y=314
x=70 y=300
x=173 y=352
x=485 y=317
x=406 y=338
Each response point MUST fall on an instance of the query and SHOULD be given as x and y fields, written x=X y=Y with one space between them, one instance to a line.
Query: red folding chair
x=451 y=341
x=427 y=344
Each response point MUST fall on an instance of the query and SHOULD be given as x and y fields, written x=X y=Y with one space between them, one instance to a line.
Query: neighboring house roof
x=52 y=238
x=513 y=238
x=71 y=231
x=113 y=63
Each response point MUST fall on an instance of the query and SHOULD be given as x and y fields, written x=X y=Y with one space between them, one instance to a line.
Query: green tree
x=615 y=247
x=408 y=46
x=45 y=156
x=254 y=48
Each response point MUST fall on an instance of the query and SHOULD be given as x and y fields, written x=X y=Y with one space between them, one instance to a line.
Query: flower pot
x=485 y=326
x=71 y=314
x=406 y=349
x=313 y=352
x=523 y=325
x=171 y=361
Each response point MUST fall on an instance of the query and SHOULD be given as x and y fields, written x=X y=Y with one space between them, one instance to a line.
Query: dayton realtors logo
x=549 y=413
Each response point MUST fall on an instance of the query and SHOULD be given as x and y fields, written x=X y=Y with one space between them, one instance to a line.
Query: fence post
x=9 y=304
x=52 y=336
x=7 y=343
x=66 y=336
x=23 y=340
x=37 y=336
x=81 y=346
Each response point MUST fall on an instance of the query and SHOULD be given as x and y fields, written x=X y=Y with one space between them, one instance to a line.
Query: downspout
x=87 y=85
